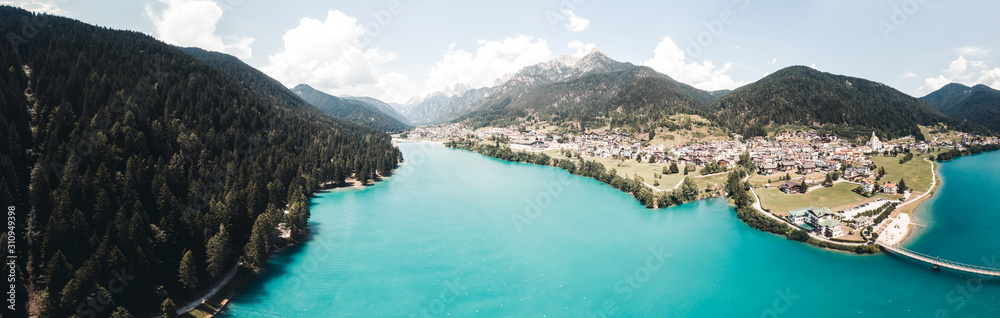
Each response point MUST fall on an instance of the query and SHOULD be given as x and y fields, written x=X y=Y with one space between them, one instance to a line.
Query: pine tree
x=168 y=309
x=261 y=238
x=673 y=168
x=902 y=186
x=689 y=191
x=217 y=252
x=121 y=312
x=188 y=272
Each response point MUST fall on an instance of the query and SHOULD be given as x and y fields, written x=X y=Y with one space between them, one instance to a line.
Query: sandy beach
x=896 y=231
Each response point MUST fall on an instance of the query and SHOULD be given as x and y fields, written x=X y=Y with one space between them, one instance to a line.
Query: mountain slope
x=252 y=78
x=564 y=68
x=380 y=106
x=637 y=97
x=352 y=110
x=851 y=107
x=122 y=154
x=979 y=104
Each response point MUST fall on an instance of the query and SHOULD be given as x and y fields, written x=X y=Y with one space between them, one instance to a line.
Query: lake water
x=458 y=234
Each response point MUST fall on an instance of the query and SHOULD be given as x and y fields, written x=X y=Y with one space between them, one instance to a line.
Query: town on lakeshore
x=835 y=189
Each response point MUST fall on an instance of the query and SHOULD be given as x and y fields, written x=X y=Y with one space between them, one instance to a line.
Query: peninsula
x=822 y=189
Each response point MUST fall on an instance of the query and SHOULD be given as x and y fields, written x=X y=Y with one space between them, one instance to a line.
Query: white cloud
x=990 y=78
x=910 y=75
x=966 y=72
x=581 y=48
x=38 y=6
x=774 y=61
x=956 y=70
x=813 y=66
x=192 y=23
x=974 y=51
x=576 y=23
x=327 y=55
x=490 y=61
x=669 y=59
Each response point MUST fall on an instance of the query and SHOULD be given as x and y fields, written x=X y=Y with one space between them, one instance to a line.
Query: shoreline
x=350 y=184
x=915 y=204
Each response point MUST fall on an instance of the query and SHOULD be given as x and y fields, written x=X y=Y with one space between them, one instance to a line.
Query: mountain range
x=350 y=109
x=381 y=106
x=597 y=91
x=979 y=104
x=847 y=106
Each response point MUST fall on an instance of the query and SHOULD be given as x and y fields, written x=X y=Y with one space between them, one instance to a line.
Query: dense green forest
x=849 y=107
x=127 y=159
x=979 y=104
x=352 y=110
x=648 y=104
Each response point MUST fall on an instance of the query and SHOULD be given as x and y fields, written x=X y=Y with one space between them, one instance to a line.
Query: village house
x=807 y=168
x=768 y=168
x=867 y=185
x=790 y=187
x=889 y=188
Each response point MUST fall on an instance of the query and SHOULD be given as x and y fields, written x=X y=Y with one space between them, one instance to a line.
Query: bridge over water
x=938 y=262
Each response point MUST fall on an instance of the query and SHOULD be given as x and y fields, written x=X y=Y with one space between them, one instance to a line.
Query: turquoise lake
x=457 y=234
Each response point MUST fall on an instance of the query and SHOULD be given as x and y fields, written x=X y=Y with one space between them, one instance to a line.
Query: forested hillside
x=126 y=158
x=638 y=99
x=847 y=106
x=352 y=110
x=979 y=104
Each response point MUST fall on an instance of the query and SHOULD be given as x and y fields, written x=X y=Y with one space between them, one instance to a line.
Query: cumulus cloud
x=582 y=49
x=192 y=23
x=490 y=61
x=974 y=51
x=774 y=61
x=963 y=71
x=327 y=54
x=669 y=59
x=910 y=75
x=38 y=6
x=575 y=23
x=813 y=66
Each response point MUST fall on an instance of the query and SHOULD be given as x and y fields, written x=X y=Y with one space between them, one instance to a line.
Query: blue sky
x=395 y=50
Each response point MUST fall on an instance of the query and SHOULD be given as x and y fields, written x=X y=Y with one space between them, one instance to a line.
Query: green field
x=838 y=197
x=630 y=168
x=916 y=172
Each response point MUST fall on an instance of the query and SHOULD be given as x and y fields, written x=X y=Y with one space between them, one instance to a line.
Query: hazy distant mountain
x=381 y=106
x=442 y=106
x=351 y=110
x=802 y=95
x=979 y=104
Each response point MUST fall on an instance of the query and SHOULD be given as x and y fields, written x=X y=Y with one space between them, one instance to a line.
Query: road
x=756 y=205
